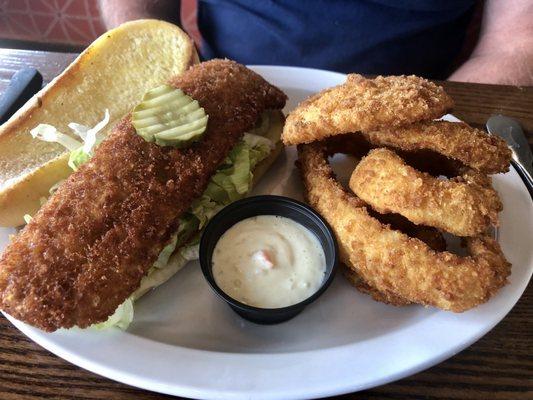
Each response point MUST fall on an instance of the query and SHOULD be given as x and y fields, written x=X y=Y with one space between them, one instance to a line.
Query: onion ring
x=431 y=236
x=459 y=206
x=362 y=104
x=391 y=261
x=472 y=147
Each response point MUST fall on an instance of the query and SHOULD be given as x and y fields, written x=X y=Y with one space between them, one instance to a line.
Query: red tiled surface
x=188 y=20
x=75 y=22
x=55 y=21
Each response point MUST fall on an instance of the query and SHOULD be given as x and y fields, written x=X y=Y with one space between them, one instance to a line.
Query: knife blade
x=522 y=157
x=23 y=85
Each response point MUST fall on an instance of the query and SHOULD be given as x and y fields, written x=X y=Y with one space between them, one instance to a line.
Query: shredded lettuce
x=259 y=144
x=121 y=318
x=80 y=152
x=91 y=138
x=215 y=192
x=48 y=133
x=188 y=226
x=203 y=209
x=158 y=276
x=241 y=176
x=165 y=254
x=233 y=179
x=223 y=181
x=77 y=157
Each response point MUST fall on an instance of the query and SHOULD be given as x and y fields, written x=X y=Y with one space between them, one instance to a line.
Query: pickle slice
x=169 y=117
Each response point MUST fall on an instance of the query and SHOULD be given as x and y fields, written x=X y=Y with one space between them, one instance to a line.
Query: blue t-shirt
x=420 y=37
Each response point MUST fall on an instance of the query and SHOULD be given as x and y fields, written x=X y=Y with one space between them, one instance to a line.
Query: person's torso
x=366 y=36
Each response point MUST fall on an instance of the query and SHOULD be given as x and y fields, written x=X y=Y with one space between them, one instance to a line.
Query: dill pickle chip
x=169 y=117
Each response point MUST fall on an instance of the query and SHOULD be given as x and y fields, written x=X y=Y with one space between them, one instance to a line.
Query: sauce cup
x=268 y=205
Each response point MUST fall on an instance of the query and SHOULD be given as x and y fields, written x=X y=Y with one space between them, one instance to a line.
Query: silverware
x=23 y=85
x=510 y=130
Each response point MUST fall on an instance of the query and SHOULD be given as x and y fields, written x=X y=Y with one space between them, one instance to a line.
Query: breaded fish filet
x=391 y=261
x=362 y=104
x=459 y=141
x=88 y=247
x=459 y=205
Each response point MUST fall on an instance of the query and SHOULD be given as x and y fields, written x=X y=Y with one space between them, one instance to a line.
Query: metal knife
x=510 y=130
x=23 y=85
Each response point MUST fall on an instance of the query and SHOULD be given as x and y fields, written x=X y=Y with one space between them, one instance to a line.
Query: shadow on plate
x=185 y=312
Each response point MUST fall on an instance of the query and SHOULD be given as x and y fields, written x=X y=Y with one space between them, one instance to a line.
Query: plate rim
x=184 y=389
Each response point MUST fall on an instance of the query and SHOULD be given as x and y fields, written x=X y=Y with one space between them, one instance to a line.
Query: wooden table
x=499 y=366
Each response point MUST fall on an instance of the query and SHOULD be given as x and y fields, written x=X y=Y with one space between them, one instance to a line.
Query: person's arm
x=115 y=12
x=504 y=52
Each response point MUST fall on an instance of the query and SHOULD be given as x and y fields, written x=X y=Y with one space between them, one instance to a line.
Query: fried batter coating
x=431 y=236
x=459 y=206
x=89 y=246
x=456 y=140
x=362 y=104
x=391 y=261
x=363 y=287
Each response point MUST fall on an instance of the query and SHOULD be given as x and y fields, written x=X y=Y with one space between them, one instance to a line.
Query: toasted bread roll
x=112 y=73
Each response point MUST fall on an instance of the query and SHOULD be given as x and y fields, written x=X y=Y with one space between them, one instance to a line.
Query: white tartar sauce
x=268 y=261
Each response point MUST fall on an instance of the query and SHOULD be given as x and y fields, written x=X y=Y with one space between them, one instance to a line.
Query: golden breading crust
x=459 y=141
x=362 y=104
x=362 y=286
x=391 y=261
x=432 y=237
x=88 y=247
x=459 y=206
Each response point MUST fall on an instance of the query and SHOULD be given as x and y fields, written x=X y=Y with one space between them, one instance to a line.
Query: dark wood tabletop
x=498 y=366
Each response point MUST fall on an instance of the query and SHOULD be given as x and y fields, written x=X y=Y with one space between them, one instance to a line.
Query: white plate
x=185 y=341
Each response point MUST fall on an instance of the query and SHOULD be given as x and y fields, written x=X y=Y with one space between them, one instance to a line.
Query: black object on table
x=23 y=85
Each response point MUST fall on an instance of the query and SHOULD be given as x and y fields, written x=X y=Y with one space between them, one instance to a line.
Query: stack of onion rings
x=389 y=226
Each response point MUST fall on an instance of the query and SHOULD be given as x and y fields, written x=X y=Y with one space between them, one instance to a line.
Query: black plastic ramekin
x=267 y=205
